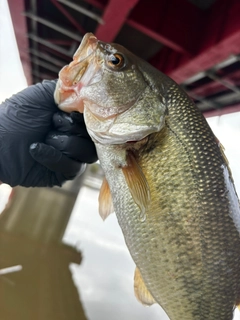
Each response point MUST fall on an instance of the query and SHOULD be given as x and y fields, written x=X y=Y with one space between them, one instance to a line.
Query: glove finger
x=41 y=176
x=70 y=123
x=62 y=121
x=75 y=147
x=55 y=160
x=77 y=116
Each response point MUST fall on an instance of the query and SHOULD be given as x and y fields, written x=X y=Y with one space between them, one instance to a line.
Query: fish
x=166 y=178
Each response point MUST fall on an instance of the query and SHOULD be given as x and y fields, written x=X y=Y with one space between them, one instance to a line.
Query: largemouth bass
x=166 y=177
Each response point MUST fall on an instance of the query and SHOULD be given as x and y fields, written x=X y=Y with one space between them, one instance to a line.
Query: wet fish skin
x=186 y=243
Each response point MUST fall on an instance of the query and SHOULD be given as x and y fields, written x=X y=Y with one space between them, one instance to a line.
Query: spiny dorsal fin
x=137 y=183
x=141 y=292
x=105 y=200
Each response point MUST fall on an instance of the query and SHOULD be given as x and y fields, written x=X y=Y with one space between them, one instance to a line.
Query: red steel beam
x=215 y=87
x=60 y=41
x=100 y=4
x=20 y=29
x=69 y=17
x=208 y=89
x=207 y=59
x=220 y=39
x=115 y=15
x=173 y=23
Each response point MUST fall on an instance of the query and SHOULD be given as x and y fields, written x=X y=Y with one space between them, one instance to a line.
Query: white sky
x=227 y=130
x=12 y=78
x=105 y=278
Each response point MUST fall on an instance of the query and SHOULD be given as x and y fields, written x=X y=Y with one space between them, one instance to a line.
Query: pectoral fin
x=137 y=183
x=141 y=292
x=105 y=200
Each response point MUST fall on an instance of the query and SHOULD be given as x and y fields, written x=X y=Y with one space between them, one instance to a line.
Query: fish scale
x=213 y=233
x=168 y=179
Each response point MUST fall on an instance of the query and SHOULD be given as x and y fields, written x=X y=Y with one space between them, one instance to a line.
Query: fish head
x=106 y=82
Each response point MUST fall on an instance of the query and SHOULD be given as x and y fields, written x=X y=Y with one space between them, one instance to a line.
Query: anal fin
x=105 y=200
x=141 y=292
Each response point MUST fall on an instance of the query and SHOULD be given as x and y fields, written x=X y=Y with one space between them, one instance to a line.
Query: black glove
x=25 y=123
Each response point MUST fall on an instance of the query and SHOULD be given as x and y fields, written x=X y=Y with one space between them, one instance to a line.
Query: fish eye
x=116 y=60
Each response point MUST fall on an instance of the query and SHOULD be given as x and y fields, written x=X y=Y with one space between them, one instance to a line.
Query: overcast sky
x=105 y=278
x=12 y=78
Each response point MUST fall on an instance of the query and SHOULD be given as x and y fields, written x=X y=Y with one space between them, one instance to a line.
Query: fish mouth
x=87 y=46
x=71 y=74
x=76 y=75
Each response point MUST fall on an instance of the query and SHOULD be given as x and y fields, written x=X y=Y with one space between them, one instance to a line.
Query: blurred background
x=58 y=260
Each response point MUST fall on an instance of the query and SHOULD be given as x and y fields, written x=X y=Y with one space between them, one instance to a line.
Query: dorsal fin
x=141 y=292
x=137 y=183
x=105 y=200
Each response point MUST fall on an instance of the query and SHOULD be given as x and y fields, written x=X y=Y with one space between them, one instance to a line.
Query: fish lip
x=87 y=46
x=72 y=74
x=71 y=77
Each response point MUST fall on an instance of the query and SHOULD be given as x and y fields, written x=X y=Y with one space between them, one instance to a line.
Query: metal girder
x=68 y=53
x=220 y=112
x=68 y=16
x=114 y=17
x=45 y=65
x=173 y=23
x=219 y=83
x=48 y=58
x=225 y=63
x=220 y=39
x=82 y=10
x=205 y=102
x=224 y=82
x=52 y=25
x=100 y=4
x=34 y=28
x=43 y=75
x=206 y=59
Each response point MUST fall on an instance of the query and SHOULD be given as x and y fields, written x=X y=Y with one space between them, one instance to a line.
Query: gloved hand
x=25 y=124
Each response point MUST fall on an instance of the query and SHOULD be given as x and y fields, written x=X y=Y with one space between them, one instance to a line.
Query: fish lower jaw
x=72 y=103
